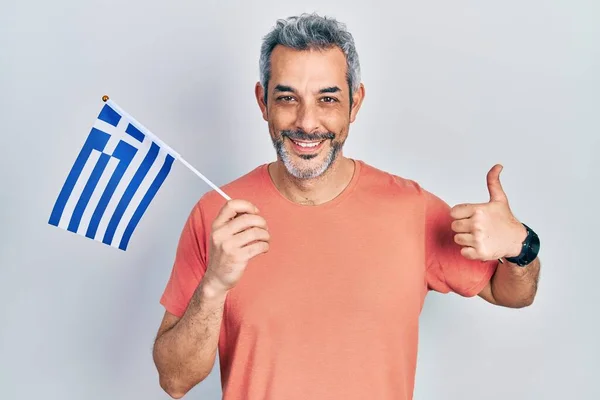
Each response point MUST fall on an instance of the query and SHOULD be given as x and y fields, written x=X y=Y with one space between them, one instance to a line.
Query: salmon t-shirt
x=332 y=310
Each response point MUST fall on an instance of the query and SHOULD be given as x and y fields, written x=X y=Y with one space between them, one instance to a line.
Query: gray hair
x=310 y=31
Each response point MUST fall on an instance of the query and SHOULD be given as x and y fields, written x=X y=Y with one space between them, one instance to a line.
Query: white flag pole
x=145 y=131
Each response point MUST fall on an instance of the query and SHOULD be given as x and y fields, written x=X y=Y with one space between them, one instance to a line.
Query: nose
x=307 y=119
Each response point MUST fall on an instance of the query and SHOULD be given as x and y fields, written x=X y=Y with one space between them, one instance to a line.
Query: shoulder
x=385 y=187
x=383 y=183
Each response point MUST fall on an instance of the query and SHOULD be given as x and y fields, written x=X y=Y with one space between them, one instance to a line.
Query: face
x=308 y=108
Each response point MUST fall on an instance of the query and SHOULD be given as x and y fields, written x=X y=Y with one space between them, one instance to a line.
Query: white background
x=452 y=88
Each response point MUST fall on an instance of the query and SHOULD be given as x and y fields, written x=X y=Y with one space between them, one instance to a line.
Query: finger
x=231 y=209
x=461 y=211
x=462 y=225
x=494 y=186
x=243 y=222
x=465 y=239
x=469 y=252
x=255 y=249
x=250 y=235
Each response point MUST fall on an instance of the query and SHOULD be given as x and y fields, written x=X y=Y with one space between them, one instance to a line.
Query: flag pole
x=144 y=130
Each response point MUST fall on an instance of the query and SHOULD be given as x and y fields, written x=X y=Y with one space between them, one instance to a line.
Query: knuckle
x=216 y=236
x=246 y=218
x=226 y=247
x=257 y=220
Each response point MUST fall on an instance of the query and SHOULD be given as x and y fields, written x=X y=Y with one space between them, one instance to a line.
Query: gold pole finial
x=105 y=98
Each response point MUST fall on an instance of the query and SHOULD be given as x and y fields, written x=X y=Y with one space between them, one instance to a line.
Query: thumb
x=494 y=185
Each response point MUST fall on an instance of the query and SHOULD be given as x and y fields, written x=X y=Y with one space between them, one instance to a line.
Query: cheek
x=282 y=117
x=276 y=123
x=274 y=130
x=338 y=124
x=341 y=136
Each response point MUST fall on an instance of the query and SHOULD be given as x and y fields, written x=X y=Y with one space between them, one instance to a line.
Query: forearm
x=185 y=354
x=514 y=286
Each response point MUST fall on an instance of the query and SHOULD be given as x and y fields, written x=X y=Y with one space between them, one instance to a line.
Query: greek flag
x=117 y=173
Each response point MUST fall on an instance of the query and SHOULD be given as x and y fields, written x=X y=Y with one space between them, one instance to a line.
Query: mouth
x=304 y=147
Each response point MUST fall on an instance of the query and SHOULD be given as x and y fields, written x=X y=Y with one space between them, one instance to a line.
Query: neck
x=313 y=191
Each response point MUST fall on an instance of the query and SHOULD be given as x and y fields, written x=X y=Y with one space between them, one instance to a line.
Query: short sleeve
x=447 y=269
x=189 y=266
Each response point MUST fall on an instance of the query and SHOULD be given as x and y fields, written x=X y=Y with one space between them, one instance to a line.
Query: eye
x=286 y=99
x=329 y=99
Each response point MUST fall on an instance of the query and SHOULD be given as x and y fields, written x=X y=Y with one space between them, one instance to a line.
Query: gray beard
x=306 y=173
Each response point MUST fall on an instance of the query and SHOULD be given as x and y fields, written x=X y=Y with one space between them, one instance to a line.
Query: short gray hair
x=310 y=31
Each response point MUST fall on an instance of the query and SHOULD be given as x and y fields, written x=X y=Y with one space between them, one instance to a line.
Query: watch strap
x=529 y=249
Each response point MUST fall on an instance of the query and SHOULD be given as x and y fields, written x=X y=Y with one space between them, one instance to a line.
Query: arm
x=490 y=231
x=513 y=286
x=185 y=349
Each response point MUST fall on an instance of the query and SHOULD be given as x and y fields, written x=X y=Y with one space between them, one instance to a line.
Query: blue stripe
x=96 y=140
x=109 y=115
x=135 y=132
x=137 y=215
x=135 y=183
x=125 y=153
x=87 y=192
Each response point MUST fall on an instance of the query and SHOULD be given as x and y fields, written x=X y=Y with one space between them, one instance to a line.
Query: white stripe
x=134 y=166
x=139 y=195
x=76 y=193
x=115 y=134
x=143 y=129
x=95 y=198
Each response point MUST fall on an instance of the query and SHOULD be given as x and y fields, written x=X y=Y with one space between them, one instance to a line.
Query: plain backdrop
x=451 y=89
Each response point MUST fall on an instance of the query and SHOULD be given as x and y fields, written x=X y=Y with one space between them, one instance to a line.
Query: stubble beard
x=304 y=172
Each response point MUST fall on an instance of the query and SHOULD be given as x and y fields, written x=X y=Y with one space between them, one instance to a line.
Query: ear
x=357 y=99
x=259 y=91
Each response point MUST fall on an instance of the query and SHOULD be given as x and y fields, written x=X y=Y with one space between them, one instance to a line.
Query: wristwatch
x=529 y=251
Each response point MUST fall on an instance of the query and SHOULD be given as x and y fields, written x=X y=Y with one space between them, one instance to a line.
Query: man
x=311 y=281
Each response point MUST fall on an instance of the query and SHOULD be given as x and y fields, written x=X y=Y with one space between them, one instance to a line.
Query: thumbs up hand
x=488 y=231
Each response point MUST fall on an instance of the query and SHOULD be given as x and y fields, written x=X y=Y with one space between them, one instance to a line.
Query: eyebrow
x=331 y=89
x=285 y=88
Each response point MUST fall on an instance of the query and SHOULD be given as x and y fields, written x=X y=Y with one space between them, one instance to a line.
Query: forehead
x=308 y=68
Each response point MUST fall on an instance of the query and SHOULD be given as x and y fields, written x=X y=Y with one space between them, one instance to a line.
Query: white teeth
x=312 y=144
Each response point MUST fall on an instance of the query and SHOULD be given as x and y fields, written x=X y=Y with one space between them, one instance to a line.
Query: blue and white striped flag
x=115 y=177
x=118 y=172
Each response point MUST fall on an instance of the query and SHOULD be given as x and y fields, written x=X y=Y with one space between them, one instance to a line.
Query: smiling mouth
x=307 y=146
